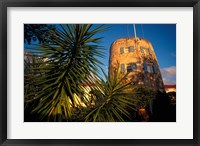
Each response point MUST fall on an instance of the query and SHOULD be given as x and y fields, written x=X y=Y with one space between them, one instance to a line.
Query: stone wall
x=136 y=56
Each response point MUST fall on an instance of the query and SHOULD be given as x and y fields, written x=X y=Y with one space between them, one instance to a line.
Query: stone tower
x=136 y=56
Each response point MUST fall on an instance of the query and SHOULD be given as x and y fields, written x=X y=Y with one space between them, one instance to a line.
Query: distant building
x=170 y=88
x=136 y=56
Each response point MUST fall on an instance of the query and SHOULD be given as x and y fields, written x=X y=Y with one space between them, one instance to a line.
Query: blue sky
x=162 y=37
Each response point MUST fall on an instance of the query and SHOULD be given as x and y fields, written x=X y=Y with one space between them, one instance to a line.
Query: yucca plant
x=114 y=100
x=70 y=59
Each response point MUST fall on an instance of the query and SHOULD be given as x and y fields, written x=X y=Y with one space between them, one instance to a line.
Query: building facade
x=136 y=56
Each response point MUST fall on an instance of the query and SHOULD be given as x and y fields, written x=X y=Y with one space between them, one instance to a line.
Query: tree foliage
x=68 y=62
x=114 y=99
x=36 y=32
x=144 y=96
x=56 y=72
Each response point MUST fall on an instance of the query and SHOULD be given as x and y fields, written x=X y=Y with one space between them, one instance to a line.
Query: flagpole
x=134 y=30
x=135 y=35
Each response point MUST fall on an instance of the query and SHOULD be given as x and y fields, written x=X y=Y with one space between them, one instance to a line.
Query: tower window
x=122 y=68
x=131 y=49
x=150 y=51
x=134 y=66
x=145 y=66
x=149 y=68
x=122 y=50
x=155 y=69
x=142 y=49
x=131 y=67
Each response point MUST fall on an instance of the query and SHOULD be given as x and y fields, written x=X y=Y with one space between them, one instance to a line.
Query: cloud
x=169 y=75
x=168 y=72
x=169 y=81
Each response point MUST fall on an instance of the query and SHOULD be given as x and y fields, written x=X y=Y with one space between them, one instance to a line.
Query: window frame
x=122 y=50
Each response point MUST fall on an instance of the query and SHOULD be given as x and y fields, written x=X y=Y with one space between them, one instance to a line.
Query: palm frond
x=114 y=101
x=71 y=57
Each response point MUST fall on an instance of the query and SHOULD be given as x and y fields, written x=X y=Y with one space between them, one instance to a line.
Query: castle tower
x=136 y=56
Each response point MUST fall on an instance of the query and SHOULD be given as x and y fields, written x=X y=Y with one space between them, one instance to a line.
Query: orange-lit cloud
x=169 y=82
x=169 y=72
x=169 y=75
